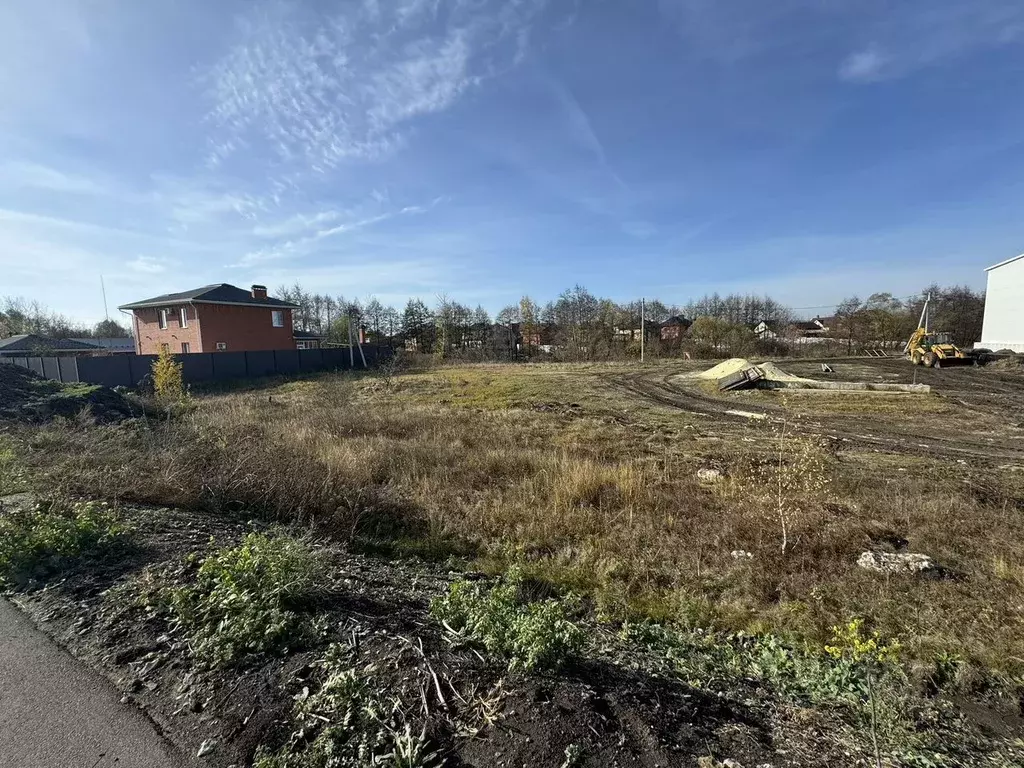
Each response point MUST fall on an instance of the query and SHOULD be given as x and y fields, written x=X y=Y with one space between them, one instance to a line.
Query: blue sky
x=810 y=149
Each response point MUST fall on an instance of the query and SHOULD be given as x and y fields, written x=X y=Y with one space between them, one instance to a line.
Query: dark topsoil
x=477 y=713
x=26 y=397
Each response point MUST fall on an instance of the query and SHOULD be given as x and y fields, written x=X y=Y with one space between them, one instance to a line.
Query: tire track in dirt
x=872 y=432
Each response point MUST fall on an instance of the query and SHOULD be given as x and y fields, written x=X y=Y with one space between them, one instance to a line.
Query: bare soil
x=609 y=713
x=973 y=413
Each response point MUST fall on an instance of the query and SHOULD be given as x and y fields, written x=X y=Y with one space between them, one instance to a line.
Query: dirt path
x=978 y=392
x=57 y=713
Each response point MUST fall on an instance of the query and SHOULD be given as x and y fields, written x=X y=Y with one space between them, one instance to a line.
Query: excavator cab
x=933 y=350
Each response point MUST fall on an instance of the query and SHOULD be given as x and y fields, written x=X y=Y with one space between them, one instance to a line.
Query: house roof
x=308 y=335
x=1004 y=263
x=677 y=320
x=30 y=342
x=115 y=343
x=805 y=325
x=220 y=293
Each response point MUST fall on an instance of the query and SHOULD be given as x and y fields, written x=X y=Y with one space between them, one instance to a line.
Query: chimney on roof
x=259 y=291
x=362 y=334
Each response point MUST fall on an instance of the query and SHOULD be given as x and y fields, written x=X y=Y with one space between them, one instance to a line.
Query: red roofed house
x=214 y=318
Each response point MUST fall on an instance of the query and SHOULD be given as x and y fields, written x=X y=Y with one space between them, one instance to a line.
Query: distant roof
x=677 y=320
x=805 y=325
x=308 y=335
x=220 y=293
x=30 y=342
x=1004 y=263
x=113 y=342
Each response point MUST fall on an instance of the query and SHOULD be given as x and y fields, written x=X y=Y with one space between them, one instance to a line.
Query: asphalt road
x=57 y=713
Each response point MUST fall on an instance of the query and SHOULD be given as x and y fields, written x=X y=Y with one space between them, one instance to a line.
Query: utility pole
x=643 y=329
x=351 y=352
x=103 y=288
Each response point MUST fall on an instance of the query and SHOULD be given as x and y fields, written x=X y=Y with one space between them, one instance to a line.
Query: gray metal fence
x=130 y=370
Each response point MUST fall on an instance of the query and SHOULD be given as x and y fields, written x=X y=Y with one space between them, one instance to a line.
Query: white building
x=1004 y=307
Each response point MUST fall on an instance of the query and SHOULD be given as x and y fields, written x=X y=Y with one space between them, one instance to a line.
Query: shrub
x=45 y=537
x=245 y=599
x=168 y=384
x=531 y=636
x=349 y=723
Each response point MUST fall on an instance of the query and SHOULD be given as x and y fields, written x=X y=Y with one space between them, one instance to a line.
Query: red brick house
x=674 y=328
x=214 y=318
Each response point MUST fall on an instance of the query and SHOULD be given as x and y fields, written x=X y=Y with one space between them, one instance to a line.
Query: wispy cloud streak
x=318 y=90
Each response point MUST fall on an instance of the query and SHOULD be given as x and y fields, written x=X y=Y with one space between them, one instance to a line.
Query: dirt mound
x=26 y=397
x=1009 y=363
x=735 y=364
x=720 y=371
x=772 y=372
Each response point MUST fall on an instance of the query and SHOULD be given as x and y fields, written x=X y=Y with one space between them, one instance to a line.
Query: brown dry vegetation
x=593 y=488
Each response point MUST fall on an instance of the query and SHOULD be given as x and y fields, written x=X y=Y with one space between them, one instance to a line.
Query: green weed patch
x=530 y=636
x=248 y=599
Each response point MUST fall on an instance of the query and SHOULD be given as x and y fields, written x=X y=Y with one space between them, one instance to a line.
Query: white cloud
x=862 y=66
x=303 y=245
x=906 y=39
x=23 y=174
x=147 y=265
x=317 y=90
x=871 y=39
x=296 y=224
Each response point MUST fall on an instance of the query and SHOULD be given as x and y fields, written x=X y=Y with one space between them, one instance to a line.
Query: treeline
x=882 y=318
x=19 y=315
x=577 y=325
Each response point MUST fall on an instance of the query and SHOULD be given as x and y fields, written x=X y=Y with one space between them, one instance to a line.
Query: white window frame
x=163 y=313
x=183 y=316
x=186 y=348
x=275 y=315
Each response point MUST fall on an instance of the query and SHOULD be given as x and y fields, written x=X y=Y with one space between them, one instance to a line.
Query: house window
x=277 y=318
x=163 y=319
x=165 y=347
x=221 y=346
x=184 y=348
x=183 y=317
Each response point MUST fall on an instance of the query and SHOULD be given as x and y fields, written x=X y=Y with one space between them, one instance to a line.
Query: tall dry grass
x=584 y=502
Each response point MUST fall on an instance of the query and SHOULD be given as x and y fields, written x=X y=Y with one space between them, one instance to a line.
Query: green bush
x=349 y=723
x=246 y=600
x=45 y=537
x=531 y=636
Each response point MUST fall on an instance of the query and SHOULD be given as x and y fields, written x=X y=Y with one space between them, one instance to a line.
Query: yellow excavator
x=933 y=350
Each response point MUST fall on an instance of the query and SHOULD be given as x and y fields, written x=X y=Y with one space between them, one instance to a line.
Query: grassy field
x=554 y=469
x=587 y=487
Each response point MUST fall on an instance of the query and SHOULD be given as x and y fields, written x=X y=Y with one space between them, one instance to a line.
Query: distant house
x=674 y=328
x=31 y=345
x=633 y=333
x=112 y=345
x=764 y=331
x=804 y=328
x=214 y=318
x=808 y=331
x=308 y=339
